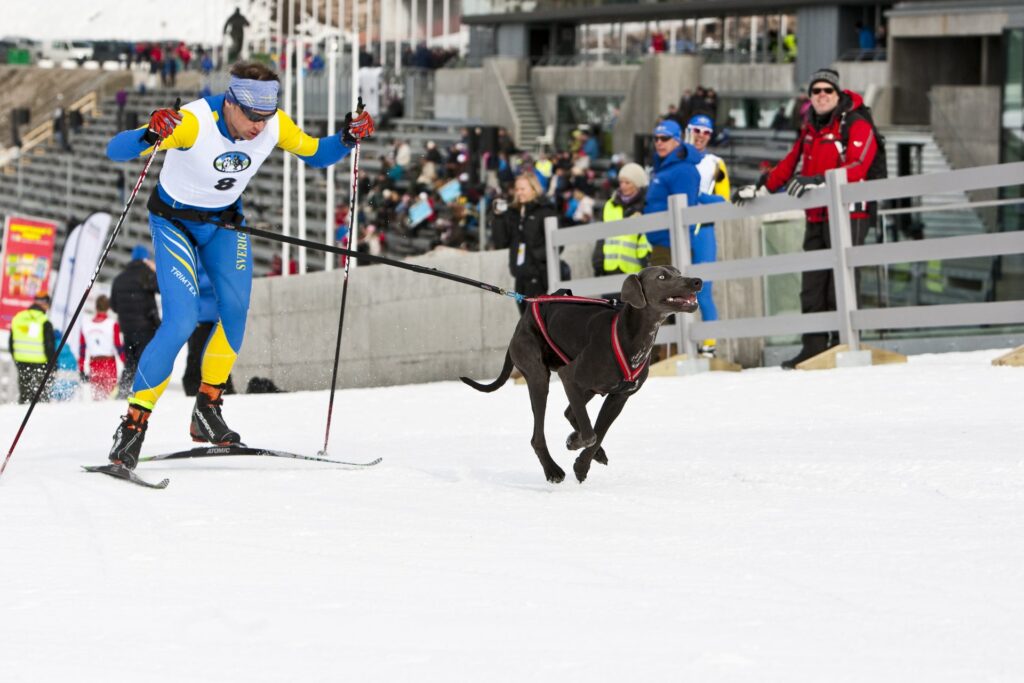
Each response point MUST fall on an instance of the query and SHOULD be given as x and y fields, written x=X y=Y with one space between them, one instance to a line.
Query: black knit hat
x=830 y=76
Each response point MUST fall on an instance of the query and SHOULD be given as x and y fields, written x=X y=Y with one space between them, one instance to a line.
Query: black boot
x=129 y=436
x=207 y=422
x=813 y=344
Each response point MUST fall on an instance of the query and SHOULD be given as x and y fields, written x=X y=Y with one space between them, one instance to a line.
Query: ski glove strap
x=802 y=183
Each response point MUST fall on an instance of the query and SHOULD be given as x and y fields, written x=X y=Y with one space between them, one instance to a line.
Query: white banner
x=81 y=253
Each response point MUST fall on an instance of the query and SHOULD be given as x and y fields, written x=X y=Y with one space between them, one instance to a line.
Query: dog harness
x=629 y=374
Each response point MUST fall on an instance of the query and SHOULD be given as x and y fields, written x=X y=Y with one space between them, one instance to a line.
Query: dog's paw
x=599 y=456
x=555 y=475
x=581 y=468
x=575 y=442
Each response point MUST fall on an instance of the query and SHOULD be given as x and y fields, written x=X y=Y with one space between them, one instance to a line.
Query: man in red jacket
x=836 y=135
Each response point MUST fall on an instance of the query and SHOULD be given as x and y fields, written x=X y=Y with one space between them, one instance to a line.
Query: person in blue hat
x=714 y=180
x=674 y=172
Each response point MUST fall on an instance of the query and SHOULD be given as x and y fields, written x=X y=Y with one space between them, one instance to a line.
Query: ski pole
x=81 y=304
x=359 y=256
x=352 y=225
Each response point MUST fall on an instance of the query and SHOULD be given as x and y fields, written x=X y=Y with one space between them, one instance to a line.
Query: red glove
x=162 y=123
x=362 y=125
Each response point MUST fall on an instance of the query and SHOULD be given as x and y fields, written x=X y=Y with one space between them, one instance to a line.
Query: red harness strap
x=629 y=374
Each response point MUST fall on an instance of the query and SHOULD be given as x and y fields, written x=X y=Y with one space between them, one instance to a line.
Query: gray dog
x=596 y=349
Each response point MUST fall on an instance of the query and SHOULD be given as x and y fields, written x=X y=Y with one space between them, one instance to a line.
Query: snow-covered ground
x=852 y=525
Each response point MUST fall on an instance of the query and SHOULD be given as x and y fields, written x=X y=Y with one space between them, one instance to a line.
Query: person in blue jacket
x=675 y=172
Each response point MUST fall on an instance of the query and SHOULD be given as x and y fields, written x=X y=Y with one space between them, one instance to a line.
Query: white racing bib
x=214 y=171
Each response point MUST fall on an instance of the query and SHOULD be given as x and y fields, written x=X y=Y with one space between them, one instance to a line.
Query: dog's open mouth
x=683 y=302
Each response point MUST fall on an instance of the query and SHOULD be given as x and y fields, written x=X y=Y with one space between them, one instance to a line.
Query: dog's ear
x=633 y=292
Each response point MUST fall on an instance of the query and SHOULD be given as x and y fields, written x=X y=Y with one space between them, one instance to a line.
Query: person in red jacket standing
x=100 y=341
x=837 y=134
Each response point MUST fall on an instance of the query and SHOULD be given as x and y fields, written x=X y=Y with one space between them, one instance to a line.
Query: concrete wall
x=966 y=123
x=495 y=106
x=749 y=78
x=512 y=40
x=819 y=37
x=920 y=64
x=660 y=80
x=512 y=70
x=548 y=82
x=400 y=327
x=457 y=93
x=870 y=79
x=952 y=23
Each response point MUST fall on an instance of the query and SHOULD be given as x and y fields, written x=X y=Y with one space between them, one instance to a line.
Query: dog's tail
x=506 y=372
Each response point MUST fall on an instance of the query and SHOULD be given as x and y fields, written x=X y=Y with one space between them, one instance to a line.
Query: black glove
x=347 y=138
x=802 y=183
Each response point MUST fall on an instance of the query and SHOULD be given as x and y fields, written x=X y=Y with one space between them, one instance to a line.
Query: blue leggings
x=227 y=258
x=703 y=250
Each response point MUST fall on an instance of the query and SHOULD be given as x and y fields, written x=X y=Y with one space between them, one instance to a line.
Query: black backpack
x=879 y=167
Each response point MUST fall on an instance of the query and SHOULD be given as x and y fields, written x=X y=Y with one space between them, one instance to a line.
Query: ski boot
x=129 y=436
x=706 y=349
x=207 y=422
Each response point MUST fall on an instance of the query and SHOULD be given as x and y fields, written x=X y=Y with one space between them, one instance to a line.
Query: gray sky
x=190 y=20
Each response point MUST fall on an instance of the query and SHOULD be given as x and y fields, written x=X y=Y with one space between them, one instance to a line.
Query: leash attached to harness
x=361 y=256
x=629 y=374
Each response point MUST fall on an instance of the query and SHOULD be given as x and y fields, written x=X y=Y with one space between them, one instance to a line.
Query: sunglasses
x=252 y=114
x=663 y=138
x=827 y=91
x=701 y=131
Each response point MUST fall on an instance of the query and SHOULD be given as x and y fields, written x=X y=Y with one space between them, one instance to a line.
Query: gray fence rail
x=842 y=258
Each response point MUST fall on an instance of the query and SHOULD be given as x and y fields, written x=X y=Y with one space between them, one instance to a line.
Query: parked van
x=60 y=50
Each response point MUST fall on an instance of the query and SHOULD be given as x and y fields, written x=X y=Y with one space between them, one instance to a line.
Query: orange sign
x=27 y=259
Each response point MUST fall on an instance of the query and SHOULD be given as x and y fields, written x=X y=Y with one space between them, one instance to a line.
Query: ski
x=241 y=449
x=122 y=472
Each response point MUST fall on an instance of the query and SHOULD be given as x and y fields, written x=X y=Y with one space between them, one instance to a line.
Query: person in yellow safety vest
x=789 y=46
x=31 y=345
x=624 y=254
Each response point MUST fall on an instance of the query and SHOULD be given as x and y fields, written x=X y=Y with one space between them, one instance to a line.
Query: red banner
x=27 y=259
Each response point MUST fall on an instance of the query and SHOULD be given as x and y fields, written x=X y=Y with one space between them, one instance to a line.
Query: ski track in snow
x=851 y=525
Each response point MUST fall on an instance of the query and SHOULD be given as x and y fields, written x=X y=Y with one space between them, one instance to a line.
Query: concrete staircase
x=531 y=125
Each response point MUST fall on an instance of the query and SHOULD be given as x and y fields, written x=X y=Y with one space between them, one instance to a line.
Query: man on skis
x=214 y=147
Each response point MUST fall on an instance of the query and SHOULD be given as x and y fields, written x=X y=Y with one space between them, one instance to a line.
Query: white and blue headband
x=253 y=94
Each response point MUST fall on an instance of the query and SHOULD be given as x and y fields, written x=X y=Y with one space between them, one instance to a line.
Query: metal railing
x=88 y=105
x=842 y=258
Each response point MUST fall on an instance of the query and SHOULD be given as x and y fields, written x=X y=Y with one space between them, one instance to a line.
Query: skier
x=196 y=194
x=100 y=342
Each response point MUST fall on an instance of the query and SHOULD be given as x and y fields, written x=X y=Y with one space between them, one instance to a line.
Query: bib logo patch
x=232 y=162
